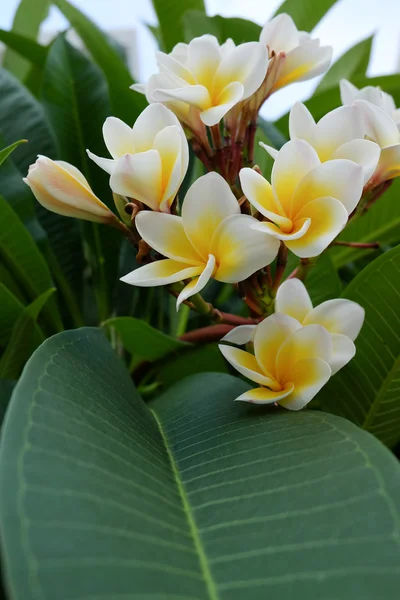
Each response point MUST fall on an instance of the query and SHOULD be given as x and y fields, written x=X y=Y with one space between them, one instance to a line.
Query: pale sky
x=348 y=21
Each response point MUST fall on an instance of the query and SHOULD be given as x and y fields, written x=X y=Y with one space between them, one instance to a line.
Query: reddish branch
x=213 y=333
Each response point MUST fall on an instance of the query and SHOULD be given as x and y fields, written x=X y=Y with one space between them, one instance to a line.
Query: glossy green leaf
x=143 y=340
x=200 y=359
x=380 y=224
x=27 y=20
x=367 y=390
x=194 y=497
x=170 y=15
x=5 y=153
x=197 y=23
x=305 y=13
x=24 y=46
x=6 y=389
x=10 y=310
x=25 y=337
x=126 y=104
x=352 y=65
x=323 y=282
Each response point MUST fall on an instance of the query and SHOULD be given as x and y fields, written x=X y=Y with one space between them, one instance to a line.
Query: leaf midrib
x=208 y=579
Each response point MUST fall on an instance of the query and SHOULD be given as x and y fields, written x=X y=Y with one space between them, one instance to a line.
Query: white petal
x=139 y=176
x=263 y=395
x=196 y=95
x=340 y=179
x=348 y=92
x=138 y=87
x=207 y=203
x=295 y=159
x=362 y=152
x=381 y=128
x=292 y=299
x=269 y=336
x=311 y=341
x=178 y=73
x=246 y=364
x=161 y=272
x=300 y=229
x=230 y=95
x=168 y=143
x=301 y=124
x=343 y=351
x=76 y=173
x=273 y=152
x=197 y=284
x=239 y=250
x=309 y=375
x=389 y=163
x=247 y=64
x=259 y=193
x=107 y=164
x=304 y=62
x=338 y=316
x=280 y=34
x=166 y=234
x=204 y=56
x=241 y=335
x=337 y=127
x=118 y=137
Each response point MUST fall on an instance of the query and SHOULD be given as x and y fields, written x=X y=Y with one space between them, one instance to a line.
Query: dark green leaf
x=170 y=15
x=5 y=153
x=200 y=359
x=323 y=282
x=126 y=104
x=25 y=337
x=27 y=20
x=6 y=389
x=143 y=340
x=196 y=497
x=305 y=13
x=24 y=46
x=351 y=65
x=10 y=310
x=197 y=23
x=367 y=390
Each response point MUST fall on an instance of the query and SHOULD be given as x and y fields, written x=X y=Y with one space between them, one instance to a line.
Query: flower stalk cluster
x=234 y=225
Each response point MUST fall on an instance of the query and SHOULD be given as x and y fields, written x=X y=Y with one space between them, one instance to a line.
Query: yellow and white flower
x=349 y=93
x=339 y=134
x=211 y=240
x=301 y=57
x=309 y=202
x=207 y=77
x=342 y=318
x=61 y=188
x=290 y=362
x=149 y=160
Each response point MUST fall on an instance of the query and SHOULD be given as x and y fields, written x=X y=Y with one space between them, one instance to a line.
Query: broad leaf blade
x=24 y=46
x=6 y=389
x=10 y=310
x=307 y=13
x=5 y=153
x=367 y=390
x=170 y=15
x=352 y=64
x=197 y=497
x=197 y=23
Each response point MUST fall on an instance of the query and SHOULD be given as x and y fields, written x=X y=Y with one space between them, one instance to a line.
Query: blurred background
x=348 y=22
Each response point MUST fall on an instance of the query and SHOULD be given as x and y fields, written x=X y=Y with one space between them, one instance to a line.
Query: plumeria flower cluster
x=233 y=223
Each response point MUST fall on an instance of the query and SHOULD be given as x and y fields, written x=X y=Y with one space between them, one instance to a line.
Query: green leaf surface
x=126 y=104
x=25 y=337
x=6 y=389
x=352 y=64
x=323 y=282
x=367 y=390
x=10 y=310
x=197 y=23
x=170 y=15
x=27 y=20
x=193 y=497
x=305 y=13
x=380 y=224
x=143 y=340
x=26 y=47
x=5 y=153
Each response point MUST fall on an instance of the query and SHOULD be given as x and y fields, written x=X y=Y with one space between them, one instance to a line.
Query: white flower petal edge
x=241 y=335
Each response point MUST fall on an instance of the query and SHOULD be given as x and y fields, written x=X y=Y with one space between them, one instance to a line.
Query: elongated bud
x=61 y=188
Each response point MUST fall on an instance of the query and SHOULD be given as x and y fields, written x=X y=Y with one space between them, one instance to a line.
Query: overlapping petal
x=246 y=364
x=269 y=336
x=292 y=299
x=339 y=316
x=308 y=377
x=139 y=176
x=161 y=272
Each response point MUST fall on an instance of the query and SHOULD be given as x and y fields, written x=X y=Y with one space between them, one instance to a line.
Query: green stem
x=201 y=306
x=184 y=312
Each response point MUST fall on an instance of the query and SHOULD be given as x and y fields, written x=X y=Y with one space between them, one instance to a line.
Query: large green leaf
x=25 y=337
x=143 y=340
x=26 y=47
x=170 y=15
x=194 y=497
x=367 y=390
x=197 y=23
x=305 y=13
x=351 y=65
x=380 y=224
x=6 y=389
x=126 y=104
x=10 y=310
x=27 y=20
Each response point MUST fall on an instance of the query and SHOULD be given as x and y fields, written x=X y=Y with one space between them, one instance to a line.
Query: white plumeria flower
x=339 y=134
x=211 y=240
x=206 y=76
x=290 y=362
x=342 y=318
x=309 y=202
x=61 y=188
x=349 y=93
x=302 y=56
x=149 y=160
